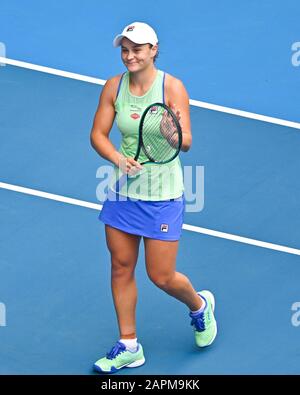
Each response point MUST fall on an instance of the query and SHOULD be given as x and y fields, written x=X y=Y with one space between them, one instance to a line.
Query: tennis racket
x=160 y=137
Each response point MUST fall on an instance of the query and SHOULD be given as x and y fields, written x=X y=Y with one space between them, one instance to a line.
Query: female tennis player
x=154 y=210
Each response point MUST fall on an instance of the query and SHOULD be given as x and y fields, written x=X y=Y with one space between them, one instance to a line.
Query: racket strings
x=160 y=136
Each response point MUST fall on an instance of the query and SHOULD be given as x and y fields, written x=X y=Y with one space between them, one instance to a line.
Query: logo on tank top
x=135 y=110
x=164 y=228
x=135 y=116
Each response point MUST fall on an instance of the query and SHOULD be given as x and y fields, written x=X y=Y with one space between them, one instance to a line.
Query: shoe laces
x=198 y=322
x=117 y=349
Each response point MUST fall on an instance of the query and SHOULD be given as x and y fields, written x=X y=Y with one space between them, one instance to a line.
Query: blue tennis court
x=55 y=268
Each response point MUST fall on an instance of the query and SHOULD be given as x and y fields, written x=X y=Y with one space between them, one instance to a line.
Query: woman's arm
x=103 y=122
x=178 y=100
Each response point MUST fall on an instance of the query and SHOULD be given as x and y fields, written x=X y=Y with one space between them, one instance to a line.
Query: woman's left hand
x=167 y=126
x=175 y=111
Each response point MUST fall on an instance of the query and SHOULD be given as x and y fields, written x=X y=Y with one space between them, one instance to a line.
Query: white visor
x=137 y=32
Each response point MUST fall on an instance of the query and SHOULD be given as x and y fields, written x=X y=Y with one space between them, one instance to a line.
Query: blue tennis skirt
x=161 y=220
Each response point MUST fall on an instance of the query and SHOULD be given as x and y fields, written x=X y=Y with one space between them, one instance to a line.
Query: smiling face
x=137 y=57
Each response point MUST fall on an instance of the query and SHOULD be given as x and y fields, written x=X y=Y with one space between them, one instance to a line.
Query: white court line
x=196 y=103
x=190 y=228
x=51 y=196
x=50 y=70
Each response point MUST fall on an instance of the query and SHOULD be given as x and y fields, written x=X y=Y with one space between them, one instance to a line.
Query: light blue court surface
x=54 y=265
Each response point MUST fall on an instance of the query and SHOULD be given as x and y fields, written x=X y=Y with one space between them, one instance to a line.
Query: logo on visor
x=130 y=28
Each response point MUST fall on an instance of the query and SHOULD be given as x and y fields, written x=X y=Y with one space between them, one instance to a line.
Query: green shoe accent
x=205 y=324
x=119 y=358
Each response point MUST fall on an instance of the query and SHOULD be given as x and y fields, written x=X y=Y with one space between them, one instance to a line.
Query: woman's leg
x=161 y=263
x=124 y=249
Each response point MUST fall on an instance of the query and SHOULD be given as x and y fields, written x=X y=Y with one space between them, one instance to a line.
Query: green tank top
x=155 y=182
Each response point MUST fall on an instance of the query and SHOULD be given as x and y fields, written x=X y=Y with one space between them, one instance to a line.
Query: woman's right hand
x=129 y=165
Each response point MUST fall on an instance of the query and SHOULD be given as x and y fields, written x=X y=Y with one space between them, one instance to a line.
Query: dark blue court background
x=236 y=54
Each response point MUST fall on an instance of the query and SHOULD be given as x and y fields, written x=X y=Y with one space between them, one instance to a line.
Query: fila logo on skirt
x=164 y=228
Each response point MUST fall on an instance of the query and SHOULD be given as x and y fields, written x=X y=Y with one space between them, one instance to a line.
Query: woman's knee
x=122 y=265
x=161 y=280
